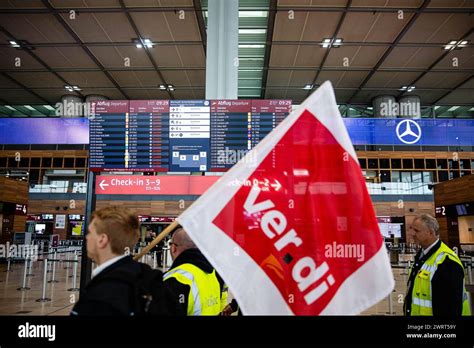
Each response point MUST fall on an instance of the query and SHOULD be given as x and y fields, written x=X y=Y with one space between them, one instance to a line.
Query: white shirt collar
x=425 y=251
x=106 y=264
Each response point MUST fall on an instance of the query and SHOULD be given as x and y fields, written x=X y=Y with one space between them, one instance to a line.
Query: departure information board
x=107 y=135
x=266 y=115
x=148 y=134
x=179 y=135
x=230 y=132
x=189 y=135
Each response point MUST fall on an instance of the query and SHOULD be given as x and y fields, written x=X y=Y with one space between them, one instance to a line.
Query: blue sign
x=44 y=131
x=195 y=140
x=377 y=131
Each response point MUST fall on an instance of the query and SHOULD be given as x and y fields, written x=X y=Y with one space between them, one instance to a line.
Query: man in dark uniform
x=436 y=280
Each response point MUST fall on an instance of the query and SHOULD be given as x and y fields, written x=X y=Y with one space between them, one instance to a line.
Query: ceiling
x=386 y=44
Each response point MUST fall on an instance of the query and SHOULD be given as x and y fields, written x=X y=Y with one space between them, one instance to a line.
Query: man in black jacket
x=113 y=232
x=192 y=286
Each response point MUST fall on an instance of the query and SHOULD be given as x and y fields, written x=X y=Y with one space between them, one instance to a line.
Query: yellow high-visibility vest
x=205 y=294
x=421 y=296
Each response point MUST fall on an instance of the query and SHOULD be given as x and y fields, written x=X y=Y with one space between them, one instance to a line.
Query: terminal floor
x=16 y=302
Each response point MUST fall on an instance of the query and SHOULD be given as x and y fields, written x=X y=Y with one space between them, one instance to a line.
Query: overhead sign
x=408 y=132
x=20 y=209
x=44 y=131
x=424 y=131
x=230 y=137
x=153 y=185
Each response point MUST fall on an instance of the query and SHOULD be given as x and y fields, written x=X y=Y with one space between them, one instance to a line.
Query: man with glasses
x=436 y=280
x=192 y=285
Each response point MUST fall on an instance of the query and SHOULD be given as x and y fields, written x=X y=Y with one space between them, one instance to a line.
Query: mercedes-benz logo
x=411 y=131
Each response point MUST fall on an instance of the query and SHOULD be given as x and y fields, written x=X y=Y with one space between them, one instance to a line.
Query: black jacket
x=447 y=285
x=175 y=293
x=110 y=293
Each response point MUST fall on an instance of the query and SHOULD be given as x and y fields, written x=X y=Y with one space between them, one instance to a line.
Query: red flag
x=291 y=227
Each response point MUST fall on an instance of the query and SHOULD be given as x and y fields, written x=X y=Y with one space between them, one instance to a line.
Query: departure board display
x=230 y=132
x=131 y=136
x=179 y=135
x=189 y=135
x=148 y=144
x=107 y=135
x=266 y=115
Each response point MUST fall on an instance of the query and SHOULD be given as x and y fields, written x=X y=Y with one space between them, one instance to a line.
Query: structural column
x=222 y=49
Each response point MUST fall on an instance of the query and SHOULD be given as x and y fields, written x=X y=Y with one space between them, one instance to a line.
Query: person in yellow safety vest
x=191 y=286
x=436 y=280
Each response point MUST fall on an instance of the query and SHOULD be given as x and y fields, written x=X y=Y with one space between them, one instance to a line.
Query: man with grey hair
x=192 y=285
x=436 y=282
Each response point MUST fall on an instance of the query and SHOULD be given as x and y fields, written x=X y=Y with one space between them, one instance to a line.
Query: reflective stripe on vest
x=422 y=293
x=205 y=295
x=196 y=305
x=422 y=303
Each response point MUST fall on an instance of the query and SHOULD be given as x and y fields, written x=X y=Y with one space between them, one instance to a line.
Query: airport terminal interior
x=145 y=104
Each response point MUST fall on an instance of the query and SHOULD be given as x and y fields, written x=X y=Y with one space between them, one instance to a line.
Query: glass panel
x=417 y=177
x=419 y=163
x=385 y=176
x=465 y=164
x=430 y=163
x=24 y=162
x=396 y=176
x=80 y=162
x=453 y=164
x=396 y=163
x=407 y=163
x=442 y=175
x=442 y=164
x=384 y=163
x=57 y=162
x=69 y=162
x=427 y=177
x=406 y=176
x=34 y=176
x=372 y=163
x=35 y=162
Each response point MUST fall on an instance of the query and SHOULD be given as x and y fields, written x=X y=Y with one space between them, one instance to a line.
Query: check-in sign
x=153 y=185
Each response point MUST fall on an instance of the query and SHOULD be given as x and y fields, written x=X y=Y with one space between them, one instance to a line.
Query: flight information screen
x=131 y=136
x=179 y=135
x=230 y=132
x=107 y=135
x=148 y=134
x=189 y=135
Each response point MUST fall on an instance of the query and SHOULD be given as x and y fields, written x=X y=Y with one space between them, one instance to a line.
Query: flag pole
x=158 y=239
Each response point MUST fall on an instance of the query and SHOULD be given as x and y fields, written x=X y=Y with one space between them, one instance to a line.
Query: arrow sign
x=277 y=185
x=102 y=184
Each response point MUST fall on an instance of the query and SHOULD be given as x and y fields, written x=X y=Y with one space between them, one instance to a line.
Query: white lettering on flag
x=322 y=254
